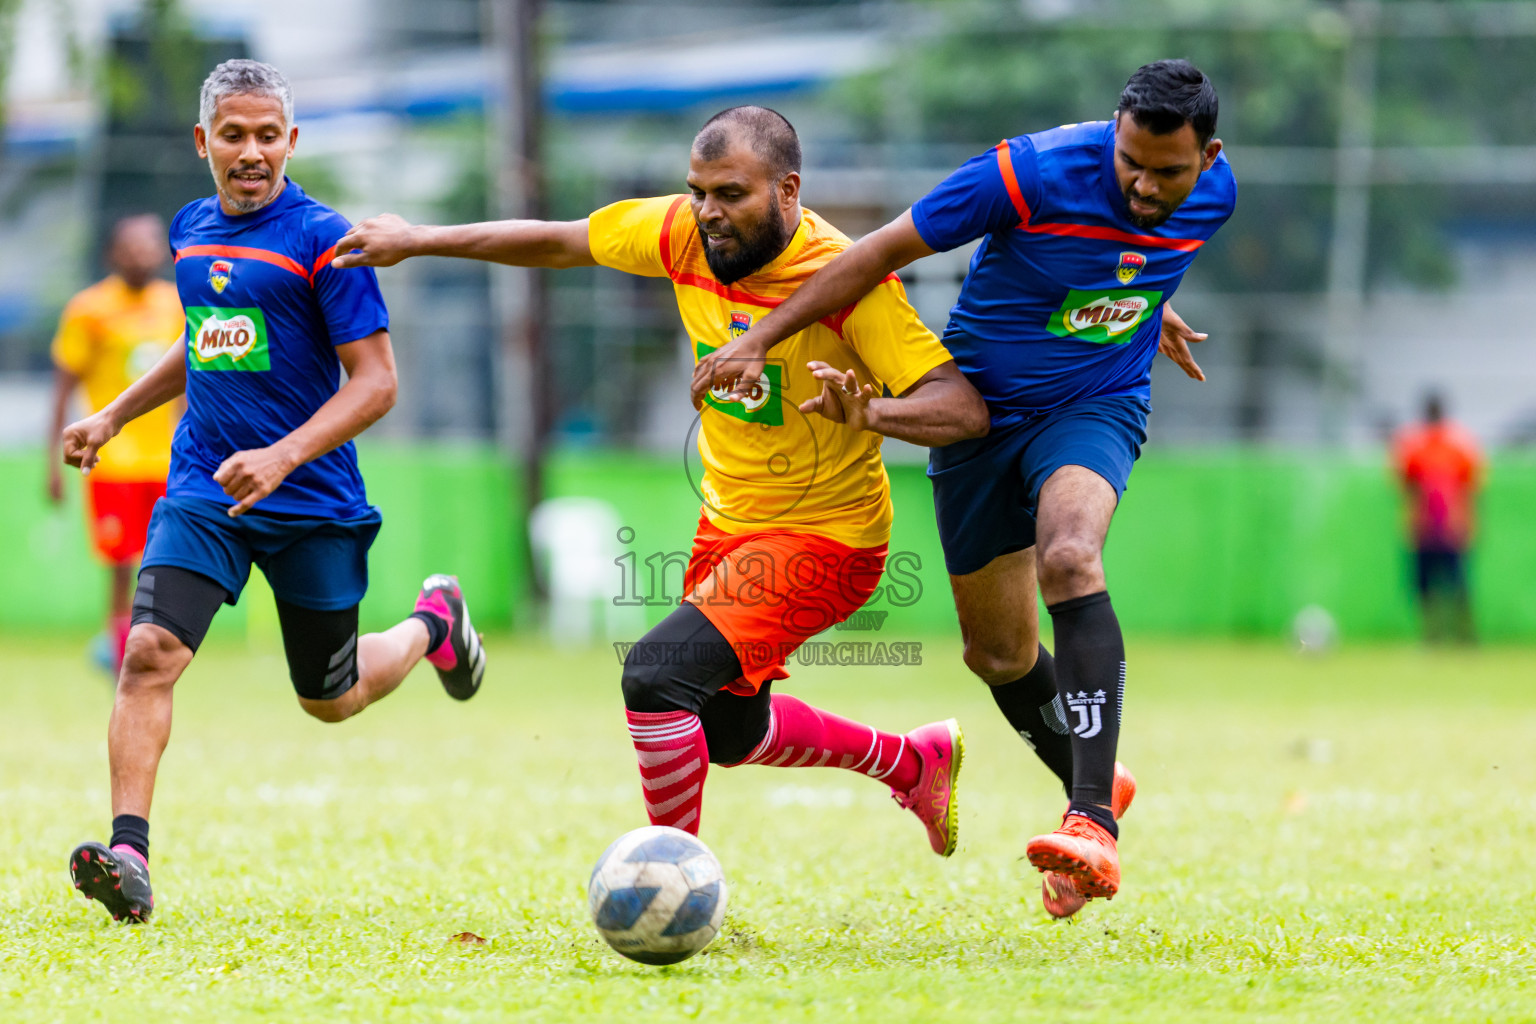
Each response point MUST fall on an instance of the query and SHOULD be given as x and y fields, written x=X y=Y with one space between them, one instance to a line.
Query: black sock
x=1106 y=819
x=437 y=629
x=1033 y=707
x=1090 y=675
x=132 y=831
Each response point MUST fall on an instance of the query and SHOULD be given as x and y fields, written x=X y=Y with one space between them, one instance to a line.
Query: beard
x=753 y=251
x=248 y=205
x=1164 y=211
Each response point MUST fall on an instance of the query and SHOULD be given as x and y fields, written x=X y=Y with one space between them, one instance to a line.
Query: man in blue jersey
x=1086 y=232
x=263 y=469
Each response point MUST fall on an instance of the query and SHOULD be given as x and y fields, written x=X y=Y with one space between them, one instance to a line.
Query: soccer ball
x=657 y=895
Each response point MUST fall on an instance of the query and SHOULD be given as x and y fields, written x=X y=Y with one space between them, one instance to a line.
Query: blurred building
x=1381 y=243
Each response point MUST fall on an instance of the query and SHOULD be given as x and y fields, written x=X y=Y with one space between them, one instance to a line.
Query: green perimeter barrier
x=1229 y=543
x=447 y=508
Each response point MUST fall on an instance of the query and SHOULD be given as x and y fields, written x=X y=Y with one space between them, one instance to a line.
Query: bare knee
x=996 y=664
x=153 y=658
x=1070 y=567
x=338 y=709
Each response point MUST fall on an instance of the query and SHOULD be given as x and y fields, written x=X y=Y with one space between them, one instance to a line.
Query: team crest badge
x=740 y=323
x=218 y=275
x=1131 y=264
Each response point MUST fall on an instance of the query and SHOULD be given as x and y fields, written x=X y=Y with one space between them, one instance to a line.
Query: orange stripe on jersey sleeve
x=666 y=234
x=1011 y=180
x=836 y=320
x=323 y=262
x=241 y=252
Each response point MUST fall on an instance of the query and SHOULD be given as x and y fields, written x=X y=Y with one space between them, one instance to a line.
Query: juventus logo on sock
x=1090 y=712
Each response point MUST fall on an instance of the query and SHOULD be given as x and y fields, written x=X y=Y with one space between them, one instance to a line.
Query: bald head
x=766 y=132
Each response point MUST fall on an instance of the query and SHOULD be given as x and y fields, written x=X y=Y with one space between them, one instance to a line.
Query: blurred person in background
x=110 y=335
x=1441 y=469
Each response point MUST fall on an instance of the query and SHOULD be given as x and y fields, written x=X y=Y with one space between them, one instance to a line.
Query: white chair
x=575 y=548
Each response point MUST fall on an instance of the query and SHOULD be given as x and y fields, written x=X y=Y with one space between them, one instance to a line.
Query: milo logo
x=1104 y=317
x=227 y=339
x=762 y=403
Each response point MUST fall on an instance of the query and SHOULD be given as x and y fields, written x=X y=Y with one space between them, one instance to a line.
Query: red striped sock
x=800 y=736
x=673 y=763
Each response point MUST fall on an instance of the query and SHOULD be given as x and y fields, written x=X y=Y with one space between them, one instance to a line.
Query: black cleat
x=116 y=878
x=460 y=660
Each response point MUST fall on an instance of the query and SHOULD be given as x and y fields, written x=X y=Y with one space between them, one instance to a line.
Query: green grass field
x=1338 y=839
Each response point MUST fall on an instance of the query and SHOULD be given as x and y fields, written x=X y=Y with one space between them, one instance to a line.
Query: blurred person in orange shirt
x=109 y=336
x=1441 y=469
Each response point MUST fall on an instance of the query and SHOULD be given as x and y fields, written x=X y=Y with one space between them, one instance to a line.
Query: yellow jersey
x=765 y=464
x=109 y=337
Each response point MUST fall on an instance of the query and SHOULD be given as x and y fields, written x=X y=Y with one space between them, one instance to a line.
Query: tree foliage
x=986 y=70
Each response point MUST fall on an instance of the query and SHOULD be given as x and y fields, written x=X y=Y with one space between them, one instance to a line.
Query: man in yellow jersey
x=110 y=334
x=797 y=507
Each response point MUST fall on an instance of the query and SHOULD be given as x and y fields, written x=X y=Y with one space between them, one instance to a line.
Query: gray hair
x=241 y=77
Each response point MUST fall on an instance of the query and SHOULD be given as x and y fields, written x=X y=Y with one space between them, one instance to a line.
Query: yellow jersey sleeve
x=886 y=333
x=75 y=346
x=638 y=236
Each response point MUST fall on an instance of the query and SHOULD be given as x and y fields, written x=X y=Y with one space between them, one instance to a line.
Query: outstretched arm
x=164 y=381
x=367 y=395
x=940 y=408
x=841 y=282
x=387 y=239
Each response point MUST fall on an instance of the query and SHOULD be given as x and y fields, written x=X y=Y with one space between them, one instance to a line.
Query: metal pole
x=519 y=300
x=1349 y=247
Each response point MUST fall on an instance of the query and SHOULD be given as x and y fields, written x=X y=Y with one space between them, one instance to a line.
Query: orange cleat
x=1058 y=891
x=940 y=748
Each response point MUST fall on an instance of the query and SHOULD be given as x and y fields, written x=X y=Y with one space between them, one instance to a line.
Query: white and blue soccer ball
x=657 y=895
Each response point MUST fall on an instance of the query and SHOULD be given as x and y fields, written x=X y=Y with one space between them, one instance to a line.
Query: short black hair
x=768 y=132
x=1165 y=95
x=131 y=220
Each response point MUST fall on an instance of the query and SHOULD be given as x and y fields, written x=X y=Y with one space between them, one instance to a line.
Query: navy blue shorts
x=1439 y=570
x=320 y=564
x=986 y=491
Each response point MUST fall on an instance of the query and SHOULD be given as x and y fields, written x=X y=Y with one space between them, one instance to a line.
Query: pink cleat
x=460 y=659
x=1057 y=891
x=940 y=748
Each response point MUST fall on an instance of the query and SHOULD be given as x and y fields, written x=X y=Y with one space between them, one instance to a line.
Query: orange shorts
x=770 y=591
x=119 y=512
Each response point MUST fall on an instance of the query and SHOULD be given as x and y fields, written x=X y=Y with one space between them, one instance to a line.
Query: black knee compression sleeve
x=679 y=665
x=734 y=725
x=321 y=648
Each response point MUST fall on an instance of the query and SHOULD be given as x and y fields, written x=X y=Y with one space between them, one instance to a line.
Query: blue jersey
x=1064 y=297
x=265 y=311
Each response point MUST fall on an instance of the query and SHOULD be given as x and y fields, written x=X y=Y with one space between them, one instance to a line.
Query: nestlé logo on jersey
x=1105 y=318
x=219 y=273
x=234 y=338
x=1131 y=264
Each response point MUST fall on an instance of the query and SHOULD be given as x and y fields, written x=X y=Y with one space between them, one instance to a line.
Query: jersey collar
x=1112 y=191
